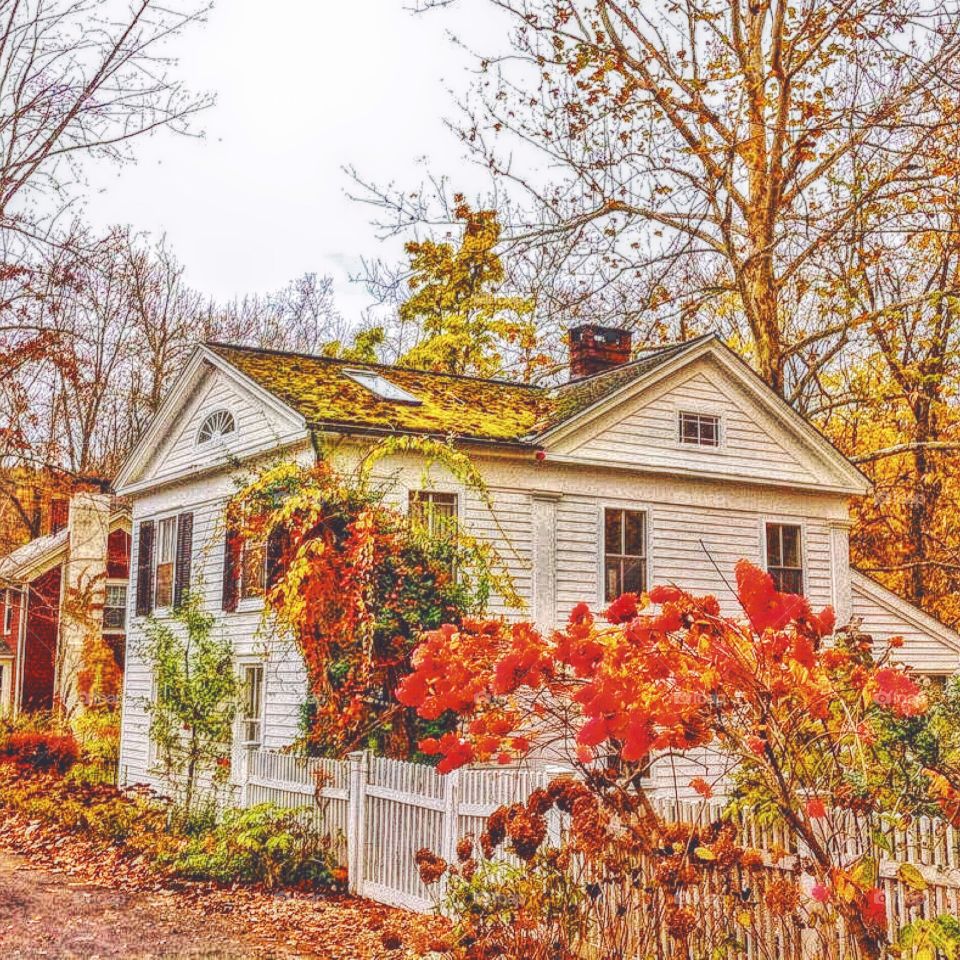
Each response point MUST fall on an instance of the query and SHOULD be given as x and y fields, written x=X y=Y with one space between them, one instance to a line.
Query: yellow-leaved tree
x=467 y=325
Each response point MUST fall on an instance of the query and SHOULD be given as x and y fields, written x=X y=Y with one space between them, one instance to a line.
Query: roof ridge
x=362 y=364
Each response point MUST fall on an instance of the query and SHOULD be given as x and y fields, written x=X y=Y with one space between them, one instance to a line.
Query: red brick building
x=53 y=591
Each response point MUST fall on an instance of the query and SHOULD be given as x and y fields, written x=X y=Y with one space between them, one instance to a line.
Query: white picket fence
x=381 y=812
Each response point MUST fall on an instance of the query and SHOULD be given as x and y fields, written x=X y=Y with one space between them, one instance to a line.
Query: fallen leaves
x=316 y=926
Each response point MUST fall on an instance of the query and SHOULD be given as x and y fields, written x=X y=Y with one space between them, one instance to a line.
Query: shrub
x=40 y=751
x=266 y=844
x=98 y=734
x=134 y=816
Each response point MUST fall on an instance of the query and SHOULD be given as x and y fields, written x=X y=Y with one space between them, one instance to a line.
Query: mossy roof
x=470 y=408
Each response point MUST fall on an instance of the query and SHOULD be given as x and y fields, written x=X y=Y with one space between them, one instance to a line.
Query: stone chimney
x=84 y=587
x=594 y=349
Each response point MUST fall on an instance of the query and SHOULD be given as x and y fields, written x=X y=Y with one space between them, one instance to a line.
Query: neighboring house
x=667 y=468
x=53 y=591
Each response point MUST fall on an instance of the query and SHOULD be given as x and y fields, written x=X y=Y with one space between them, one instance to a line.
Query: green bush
x=266 y=844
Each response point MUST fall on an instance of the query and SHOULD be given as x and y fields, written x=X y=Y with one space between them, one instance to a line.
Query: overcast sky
x=302 y=90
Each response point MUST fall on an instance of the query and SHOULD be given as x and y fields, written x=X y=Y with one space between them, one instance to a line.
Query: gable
x=928 y=645
x=172 y=448
x=755 y=443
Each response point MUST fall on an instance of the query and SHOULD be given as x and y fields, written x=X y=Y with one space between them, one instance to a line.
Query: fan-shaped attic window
x=217 y=425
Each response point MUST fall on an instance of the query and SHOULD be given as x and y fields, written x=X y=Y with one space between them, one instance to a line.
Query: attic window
x=699 y=429
x=218 y=424
x=380 y=386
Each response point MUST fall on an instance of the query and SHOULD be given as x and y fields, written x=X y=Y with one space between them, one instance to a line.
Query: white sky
x=302 y=90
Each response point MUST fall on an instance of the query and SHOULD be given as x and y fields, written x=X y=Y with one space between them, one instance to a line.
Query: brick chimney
x=594 y=349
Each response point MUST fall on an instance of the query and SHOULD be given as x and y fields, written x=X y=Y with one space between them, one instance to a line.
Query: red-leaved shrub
x=44 y=752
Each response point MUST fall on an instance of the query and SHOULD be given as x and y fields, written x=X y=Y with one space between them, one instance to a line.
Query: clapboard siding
x=251 y=639
x=545 y=525
x=751 y=446
x=882 y=619
x=256 y=426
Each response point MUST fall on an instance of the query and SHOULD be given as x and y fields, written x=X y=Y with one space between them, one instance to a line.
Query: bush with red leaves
x=40 y=751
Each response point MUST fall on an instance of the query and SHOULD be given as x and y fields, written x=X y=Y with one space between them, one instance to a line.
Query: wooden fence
x=380 y=812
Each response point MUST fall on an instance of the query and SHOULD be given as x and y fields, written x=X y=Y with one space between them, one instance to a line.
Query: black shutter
x=231 y=568
x=277 y=544
x=145 y=569
x=181 y=582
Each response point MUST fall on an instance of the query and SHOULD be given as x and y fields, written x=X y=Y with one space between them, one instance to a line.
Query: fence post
x=451 y=815
x=356 y=815
x=554 y=817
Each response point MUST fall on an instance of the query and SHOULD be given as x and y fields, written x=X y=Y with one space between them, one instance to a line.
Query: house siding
x=284 y=679
x=645 y=431
x=257 y=426
x=545 y=524
x=881 y=619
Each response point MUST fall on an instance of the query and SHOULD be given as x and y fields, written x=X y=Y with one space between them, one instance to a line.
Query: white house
x=666 y=468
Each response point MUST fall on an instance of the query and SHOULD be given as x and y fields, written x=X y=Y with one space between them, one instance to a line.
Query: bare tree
x=696 y=146
x=79 y=80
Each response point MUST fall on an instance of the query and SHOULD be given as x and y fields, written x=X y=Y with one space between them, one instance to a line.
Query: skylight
x=380 y=386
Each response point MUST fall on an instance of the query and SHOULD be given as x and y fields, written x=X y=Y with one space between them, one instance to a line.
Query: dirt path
x=48 y=915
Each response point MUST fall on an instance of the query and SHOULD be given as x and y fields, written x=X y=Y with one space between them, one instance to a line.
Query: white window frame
x=158 y=521
x=121 y=584
x=702 y=412
x=415 y=492
x=7 y=612
x=244 y=667
x=218 y=437
x=633 y=505
x=804 y=559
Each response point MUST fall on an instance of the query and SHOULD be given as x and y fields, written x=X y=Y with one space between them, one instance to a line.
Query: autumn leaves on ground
x=63 y=896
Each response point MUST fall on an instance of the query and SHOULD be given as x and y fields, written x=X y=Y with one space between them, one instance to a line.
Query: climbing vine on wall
x=355 y=581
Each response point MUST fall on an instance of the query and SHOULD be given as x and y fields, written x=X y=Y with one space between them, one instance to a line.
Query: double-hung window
x=785 y=556
x=251 y=716
x=436 y=511
x=624 y=552
x=115 y=607
x=166 y=553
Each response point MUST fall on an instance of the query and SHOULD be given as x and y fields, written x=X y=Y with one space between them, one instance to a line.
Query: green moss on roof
x=320 y=390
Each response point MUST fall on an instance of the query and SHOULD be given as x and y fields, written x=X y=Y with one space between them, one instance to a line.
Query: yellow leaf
x=911 y=876
x=705 y=853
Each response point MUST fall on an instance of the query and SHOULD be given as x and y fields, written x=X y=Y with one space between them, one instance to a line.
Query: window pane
x=708 y=431
x=787 y=580
x=790 y=539
x=612 y=580
x=164 y=585
x=773 y=545
x=634 y=533
x=253 y=569
x=634 y=576
x=613 y=532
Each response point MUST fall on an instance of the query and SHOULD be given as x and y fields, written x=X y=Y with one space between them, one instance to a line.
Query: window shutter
x=277 y=544
x=231 y=568
x=145 y=569
x=181 y=583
